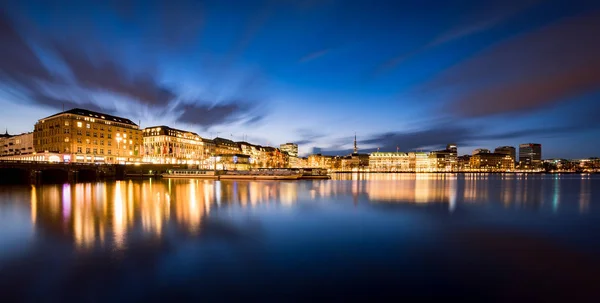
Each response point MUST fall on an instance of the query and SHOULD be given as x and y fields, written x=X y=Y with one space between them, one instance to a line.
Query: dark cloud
x=532 y=71
x=307 y=136
x=18 y=62
x=100 y=72
x=207 y=115
x=69 y=103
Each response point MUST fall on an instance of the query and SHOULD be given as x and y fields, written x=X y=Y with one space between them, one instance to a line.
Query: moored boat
x=191 y=173
x=314 y=173
x=260 y=175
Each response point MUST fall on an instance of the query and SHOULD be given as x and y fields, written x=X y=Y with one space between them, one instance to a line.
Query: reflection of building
x=16 y=145
x=530 y=155
x=290 y=148
x=492 y=162
x=507 y=150
x=80 y=135
x=163 y=144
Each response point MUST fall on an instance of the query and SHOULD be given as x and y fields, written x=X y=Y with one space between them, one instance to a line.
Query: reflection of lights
x=66 y=202
x=118 y=217
x=452 y=195
x=556 y=195
x=33 y=204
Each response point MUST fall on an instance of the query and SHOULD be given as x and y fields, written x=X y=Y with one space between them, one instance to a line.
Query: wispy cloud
x=314 y=55
x=530 y=72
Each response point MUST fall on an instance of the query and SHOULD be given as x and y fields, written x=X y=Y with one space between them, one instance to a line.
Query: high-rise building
x=163 y=144
x=507 y=150
x=290 y=148
x=452 y=149
x=80 y=135
x=481 y=151
x=530 y=155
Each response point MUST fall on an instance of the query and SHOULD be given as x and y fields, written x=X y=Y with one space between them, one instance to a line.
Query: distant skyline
x=407 y=74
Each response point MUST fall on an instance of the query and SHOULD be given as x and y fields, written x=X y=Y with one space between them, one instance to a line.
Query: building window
x=87 y=125
x=95 y=135
x=109 y=143
x=101 y=142
x=66 y=139
x=87 y=133
x=102 y=151
x=110 y=152
x=101 y=127
x=66 y=123
x=95 y=142
x=79 y=124
x=78 y=140
x=110 y=128
x=101 y=135
x=66 y=131
x=79 y=149
x=95 y=151
x=87 y=150
x=109 y=136
x=79 y=132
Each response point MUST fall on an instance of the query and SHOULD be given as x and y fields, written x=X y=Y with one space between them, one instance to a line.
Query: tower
x=355 y=146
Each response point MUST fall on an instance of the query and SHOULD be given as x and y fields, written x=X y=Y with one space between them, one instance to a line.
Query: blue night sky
x=409 y=74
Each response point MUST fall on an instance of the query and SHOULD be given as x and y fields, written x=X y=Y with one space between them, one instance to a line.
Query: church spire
x=355 y=146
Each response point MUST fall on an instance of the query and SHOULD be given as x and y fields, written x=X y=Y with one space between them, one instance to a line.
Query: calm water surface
x=485 y=237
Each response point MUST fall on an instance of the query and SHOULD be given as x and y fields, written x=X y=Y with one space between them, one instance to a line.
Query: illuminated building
x=418 y=161
x=16 y=145
x=290 y=148
x=80 y=135
x=481 y=151
x=490 y=162
x=530 y=155
x=389 y=161
x=507 y=150
x=464 y=163
x=163 y=144
x=324 y=161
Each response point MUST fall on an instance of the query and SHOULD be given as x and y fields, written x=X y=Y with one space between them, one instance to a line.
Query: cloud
x=18 y=62
x=530 y=72
x=100 y=72
x=207 y=115
x=314 y=55
x=487 y=18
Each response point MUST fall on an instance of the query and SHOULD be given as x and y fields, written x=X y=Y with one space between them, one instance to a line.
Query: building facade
x=491 y=162
x=290 y=148
x=507 y=150
x=389 y=161
x=530 y=155
x=80 y=135
x=16 y=145
x=166 y=145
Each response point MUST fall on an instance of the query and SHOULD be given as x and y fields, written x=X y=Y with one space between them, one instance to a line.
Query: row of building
x=80 y=135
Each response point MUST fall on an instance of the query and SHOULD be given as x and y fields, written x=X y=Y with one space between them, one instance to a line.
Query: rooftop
x=89 y=113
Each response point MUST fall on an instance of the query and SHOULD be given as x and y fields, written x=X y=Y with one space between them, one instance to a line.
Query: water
x=477 y=236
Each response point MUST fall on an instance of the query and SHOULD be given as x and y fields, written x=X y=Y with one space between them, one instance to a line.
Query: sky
x=402 y=75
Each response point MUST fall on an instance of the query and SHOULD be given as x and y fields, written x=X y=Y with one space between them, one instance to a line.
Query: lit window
x=87 y=125
x=79 y=124
x=66 y=139
x=125 y=136
x=66 y=123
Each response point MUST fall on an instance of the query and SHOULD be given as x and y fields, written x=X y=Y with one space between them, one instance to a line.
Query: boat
x=314 y=173
x=191 y=173
x=260 y=175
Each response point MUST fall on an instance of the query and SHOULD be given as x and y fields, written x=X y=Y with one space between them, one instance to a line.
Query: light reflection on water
x=122 y=216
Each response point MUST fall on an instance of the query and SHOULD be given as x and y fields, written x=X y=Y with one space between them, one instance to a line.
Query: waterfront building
x=324 y=161
x=80 y=135
x=298 y=162
x=452 y=148
x=16 y=145
x=530 y=155
x=481 y=151
x=507 y=150
x=418 y=161
x=492 y=162
x=464 y=163
x=290 y=148
x=167 y=145
x=254 y=152
x=389 y=161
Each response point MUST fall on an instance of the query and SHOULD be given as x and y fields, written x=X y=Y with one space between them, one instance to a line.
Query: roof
x=171 y=128
x=89 y=113
x=5 y=135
